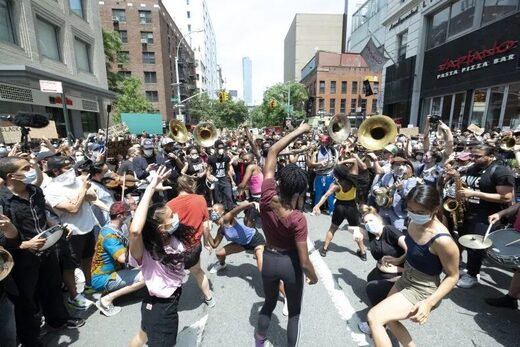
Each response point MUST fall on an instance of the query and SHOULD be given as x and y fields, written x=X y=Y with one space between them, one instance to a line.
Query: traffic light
x=226 y=95
x=221 y=96
x=272 y=103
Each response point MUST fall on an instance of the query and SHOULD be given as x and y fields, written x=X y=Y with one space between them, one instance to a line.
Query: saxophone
x=455 y=206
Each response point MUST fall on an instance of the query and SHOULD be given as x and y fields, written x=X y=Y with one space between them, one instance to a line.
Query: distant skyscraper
x=247 y=76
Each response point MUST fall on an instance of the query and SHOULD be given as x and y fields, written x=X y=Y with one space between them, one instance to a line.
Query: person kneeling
x=109 y=274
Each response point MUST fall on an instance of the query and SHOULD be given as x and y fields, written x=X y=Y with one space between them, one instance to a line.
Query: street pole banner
x=374 y=57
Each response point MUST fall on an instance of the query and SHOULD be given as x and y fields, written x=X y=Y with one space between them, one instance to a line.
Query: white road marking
x=340 y=301
x=192 y=335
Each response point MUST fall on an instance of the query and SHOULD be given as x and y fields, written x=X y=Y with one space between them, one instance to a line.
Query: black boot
x=503 y=301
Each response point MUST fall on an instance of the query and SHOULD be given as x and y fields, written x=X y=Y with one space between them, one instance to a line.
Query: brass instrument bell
x=178 y=131
x=205 y=134
x=376 y=132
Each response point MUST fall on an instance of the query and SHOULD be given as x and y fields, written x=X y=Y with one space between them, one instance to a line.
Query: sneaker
x=108 y=310
x=80 y=302
x=361 y=255
x=506 y=301
x=323 y=252
x=217 y=267
x=285 y=310
x=467 y=281
x=211 y=301
x=364 y=328
x=74 y=323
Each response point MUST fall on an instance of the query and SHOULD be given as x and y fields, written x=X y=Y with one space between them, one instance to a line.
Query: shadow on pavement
x=333 y=247
x=191 y=297
x=247 y=272
x=276 y=335
x=357 y=284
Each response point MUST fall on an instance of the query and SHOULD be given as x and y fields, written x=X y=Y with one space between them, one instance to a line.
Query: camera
x=434 y=121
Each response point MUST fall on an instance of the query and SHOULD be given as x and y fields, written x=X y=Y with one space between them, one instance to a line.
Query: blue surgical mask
x=420 y=219
x=30 y=176
x=215 y=216
x=174 y=224
x=372 y=227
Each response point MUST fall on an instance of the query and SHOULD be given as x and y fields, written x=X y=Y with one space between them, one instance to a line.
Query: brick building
x=150 y=38
x=334 y=82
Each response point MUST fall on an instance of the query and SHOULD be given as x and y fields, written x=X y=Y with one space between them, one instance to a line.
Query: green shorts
x=416 y=285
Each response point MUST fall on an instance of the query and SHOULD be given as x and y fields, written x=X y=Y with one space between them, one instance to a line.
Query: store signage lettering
x=404 y=17
x=475 y=60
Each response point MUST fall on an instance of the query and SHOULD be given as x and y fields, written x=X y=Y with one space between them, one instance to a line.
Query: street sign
x=51 y=86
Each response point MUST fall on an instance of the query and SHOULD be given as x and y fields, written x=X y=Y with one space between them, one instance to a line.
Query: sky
x=257 y=29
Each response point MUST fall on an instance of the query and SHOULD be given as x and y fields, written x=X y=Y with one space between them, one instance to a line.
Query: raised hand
x=160 y=176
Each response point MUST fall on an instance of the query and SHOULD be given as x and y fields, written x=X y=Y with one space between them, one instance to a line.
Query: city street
x=330 y=314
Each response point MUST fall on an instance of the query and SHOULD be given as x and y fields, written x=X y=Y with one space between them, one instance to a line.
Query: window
x=322 y=87
x=152 y=95
x=148 y=36
x=125 y=74
x=354 y=87
x=333 y=87
x=150 y=77
x=343 y=87
x=446 y=109
x=461 y=16
x=321 y=105
x=343 y=106
x=48 y=35
x=494 y=9
x=89 y=122
x=119 y=14
x=188 y=14
x=363 y=105
x=123 y=57
x=76 y=6
x=145 y=17
x=7 y=32
x=494 y=107
x=123 y=34
x=438 y=28
x=148 y=57
x=478 y=107
x=402 y=41
x=458 y=111
x=82 y=50
x=374 y=106
x=375 y=89
x=353 y=105
x=189 y=28
x=512 y=112
x=332 y=106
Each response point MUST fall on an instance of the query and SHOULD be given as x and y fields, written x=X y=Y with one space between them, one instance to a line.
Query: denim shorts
x=124 y=278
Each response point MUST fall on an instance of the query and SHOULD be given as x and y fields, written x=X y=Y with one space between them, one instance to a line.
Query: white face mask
x=148 y=152
x=174 y=224
x=194 y=156
x=373 y=227
x=220 y=151
x=420 y=219
x=30 y=176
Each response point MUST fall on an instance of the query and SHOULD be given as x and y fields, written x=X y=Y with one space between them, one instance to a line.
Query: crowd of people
x=139 y=221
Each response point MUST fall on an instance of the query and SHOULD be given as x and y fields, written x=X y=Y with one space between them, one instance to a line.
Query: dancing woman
x=286 y=256
x=430 y=251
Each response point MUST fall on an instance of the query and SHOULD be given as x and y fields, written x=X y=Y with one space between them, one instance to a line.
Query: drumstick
x=515 y=241
x=123 y=187
x=487 y=232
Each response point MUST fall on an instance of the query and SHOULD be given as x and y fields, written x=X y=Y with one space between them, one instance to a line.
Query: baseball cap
x=3 y=152
x=57 y=162
x=44 y=155
x=166 y=140
x=463 y=156
x=392 y=149
x=400 y=160
x=147 y=144
x=119 y=207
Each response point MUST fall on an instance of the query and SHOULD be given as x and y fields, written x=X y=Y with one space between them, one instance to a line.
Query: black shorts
x=82 y=246
x=192 y=258
x=257 y=240
x=160 y=319
x=345 y=209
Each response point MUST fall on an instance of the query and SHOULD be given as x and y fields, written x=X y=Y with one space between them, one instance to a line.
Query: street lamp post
x=180 y=116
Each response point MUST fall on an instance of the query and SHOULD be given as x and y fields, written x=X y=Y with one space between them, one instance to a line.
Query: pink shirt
x=161 y=281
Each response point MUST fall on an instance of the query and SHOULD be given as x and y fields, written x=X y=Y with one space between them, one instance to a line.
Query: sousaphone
x=178 y=131
x=376 y=132
x=205 y=134
x=339 y=128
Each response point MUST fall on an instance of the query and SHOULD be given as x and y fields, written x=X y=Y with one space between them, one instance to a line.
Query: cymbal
x=475 y=241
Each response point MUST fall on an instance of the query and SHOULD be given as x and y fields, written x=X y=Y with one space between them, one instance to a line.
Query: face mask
x=80 y=158
x=174 y=224
x=372 y=227
x=220 y=151
x=148 y=152
x=30 y=176
x=194 y=156
x=420 y=219
x=67 y=178
x=419 y=157
x=215 y=216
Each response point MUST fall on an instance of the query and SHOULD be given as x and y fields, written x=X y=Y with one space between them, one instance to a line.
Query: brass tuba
x=178 y=131
x=205 y=134
x=339 y=128
x=376 y=132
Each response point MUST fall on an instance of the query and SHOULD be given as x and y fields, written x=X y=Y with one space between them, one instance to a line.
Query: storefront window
x=89 y=122
x=512 y=112
x=494 y=107
x=438 y=28
x=461 y=16
x=479 y=106
x=458 y=112
x=446 y=109
x=436 y=106
x=494 y=9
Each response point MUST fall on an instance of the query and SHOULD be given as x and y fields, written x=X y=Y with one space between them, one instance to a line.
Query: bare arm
x=73 y=205
x=254 y=147
x=305 y=262
x=184 y=169
x=332 y=189
x=503 y=195
x=214 y=242
x=230 y=216
x=247 y=177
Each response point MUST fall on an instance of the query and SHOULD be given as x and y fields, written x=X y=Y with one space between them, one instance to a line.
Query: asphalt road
x=331 y=309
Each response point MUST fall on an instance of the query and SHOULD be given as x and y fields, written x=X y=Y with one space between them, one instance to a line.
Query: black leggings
x=378 y=285
x=285 y=267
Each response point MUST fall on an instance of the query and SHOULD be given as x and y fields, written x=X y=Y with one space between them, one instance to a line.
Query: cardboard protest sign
x=409 y=131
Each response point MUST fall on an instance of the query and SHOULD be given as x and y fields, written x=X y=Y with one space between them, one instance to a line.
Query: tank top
x=420 y=257
x=255 y=184
x=345 y=196
x=239 y=233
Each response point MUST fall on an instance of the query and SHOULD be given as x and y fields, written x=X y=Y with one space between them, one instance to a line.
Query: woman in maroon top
x=286 y=257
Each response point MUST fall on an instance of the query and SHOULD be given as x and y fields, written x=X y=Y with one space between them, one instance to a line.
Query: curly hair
x=292 y=181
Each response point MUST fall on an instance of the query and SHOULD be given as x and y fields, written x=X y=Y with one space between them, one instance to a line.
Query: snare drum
x=507 y=256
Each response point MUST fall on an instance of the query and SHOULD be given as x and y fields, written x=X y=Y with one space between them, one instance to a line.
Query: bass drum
x=503 y=254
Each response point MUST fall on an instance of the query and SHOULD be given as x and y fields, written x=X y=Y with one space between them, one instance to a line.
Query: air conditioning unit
x=144 y=41
x=115 y=20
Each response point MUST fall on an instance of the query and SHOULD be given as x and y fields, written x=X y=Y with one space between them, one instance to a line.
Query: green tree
x=131 y=99
x=200 y=108
x=229 y=114
x=112 y=45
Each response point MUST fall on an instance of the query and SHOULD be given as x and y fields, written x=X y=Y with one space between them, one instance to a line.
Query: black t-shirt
x=195 y=166
x=219 y=165
x=387 y=244
x=486 y=179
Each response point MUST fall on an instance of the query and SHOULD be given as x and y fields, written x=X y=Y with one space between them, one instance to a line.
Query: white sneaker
x=80 y=302
x=285 y=310
x=467 y=281
x=217 y=267
x=79 y=279
x=364 y=328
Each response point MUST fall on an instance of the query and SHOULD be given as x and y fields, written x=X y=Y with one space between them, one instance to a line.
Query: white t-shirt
x=62 y=188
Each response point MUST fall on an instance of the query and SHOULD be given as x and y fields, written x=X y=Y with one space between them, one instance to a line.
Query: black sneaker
x=503 y=301
x=323 y=252
x=361 y=255
x=74 y=323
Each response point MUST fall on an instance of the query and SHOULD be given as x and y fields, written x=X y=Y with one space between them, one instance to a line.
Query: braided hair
x=292 y=181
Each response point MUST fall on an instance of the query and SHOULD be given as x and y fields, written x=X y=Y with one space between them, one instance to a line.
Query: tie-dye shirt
x=109 y=247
